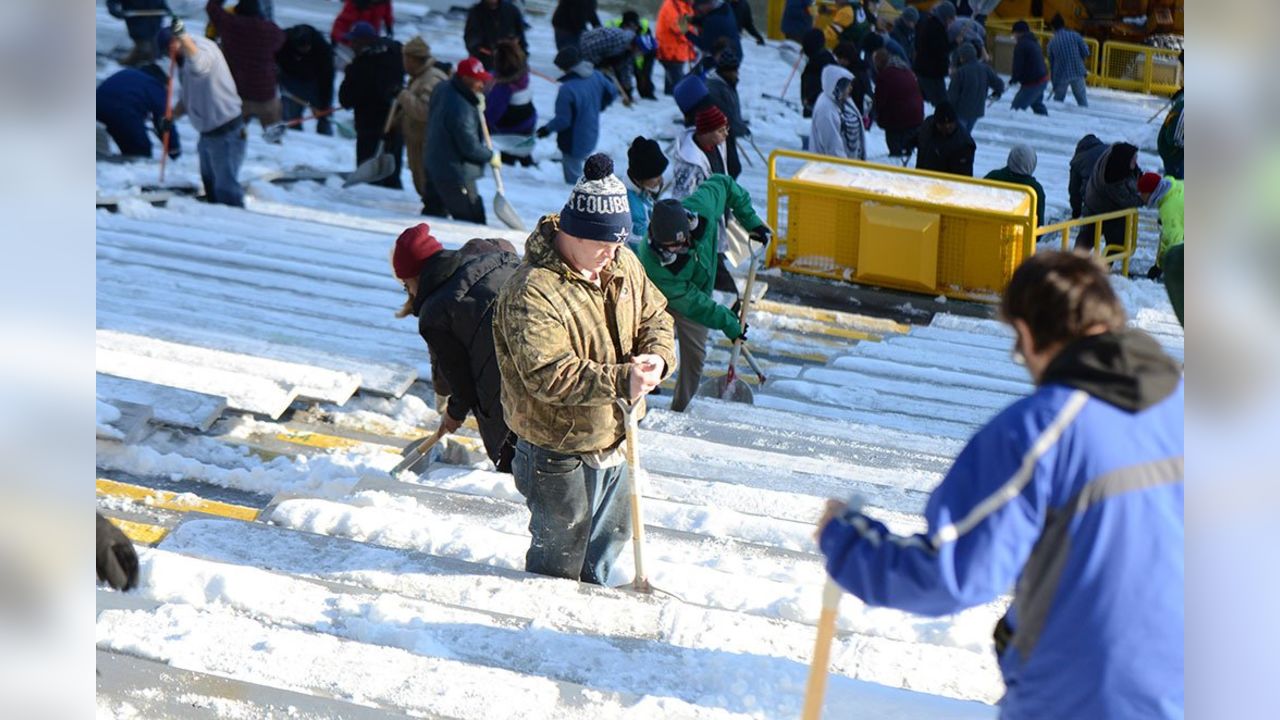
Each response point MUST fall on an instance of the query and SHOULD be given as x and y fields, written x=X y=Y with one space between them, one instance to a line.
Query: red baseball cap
x=473 y=68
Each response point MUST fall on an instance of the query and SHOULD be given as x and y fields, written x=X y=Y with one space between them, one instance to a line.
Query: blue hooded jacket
x=719 y=23
x=584 y=94
x=124 y=102
x=1075 y=494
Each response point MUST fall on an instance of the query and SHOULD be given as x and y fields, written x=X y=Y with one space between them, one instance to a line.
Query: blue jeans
x=572 y=168
x=580 y=517
x=1077 y=89
x=1031 y=96
x=221 y=154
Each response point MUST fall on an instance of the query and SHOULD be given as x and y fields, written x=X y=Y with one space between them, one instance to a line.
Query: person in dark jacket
x=1029 y=70
x=904 y=31
x=1113 y=185
x=1021 y=170
x=452 y=293
x=899 y=106
x=142 y=28
x=489 y=21
x=815 y=48
x=970 y=83
x=1082 y=163
x=944 y=144
x=249 y=43
x=371 y=83
x=722 y=88
x=305 y=65
x=933 y=52
x=584 y=93
x=124 y=102
x=612 y=50
x=456 y=152
x=797 y=19
x=571 y=18
x=645 y=53
x=1072 y=497
x=715 y=20
x=746 y=21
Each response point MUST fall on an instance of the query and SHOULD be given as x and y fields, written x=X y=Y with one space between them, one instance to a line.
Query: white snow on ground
x=407 y=593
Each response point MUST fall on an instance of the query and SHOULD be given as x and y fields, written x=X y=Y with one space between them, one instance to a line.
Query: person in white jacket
x=837 y=128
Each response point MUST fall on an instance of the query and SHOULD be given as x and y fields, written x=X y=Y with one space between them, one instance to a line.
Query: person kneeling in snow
x=584 y=93
x=452 y=295
x=578 y=328
x=836 y=128
x=1087 y=528
x=681 y=259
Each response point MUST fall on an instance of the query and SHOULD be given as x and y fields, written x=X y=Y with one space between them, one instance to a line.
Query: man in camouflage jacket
x=577 y=328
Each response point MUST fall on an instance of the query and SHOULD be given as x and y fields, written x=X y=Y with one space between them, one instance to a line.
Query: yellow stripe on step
x=173 y=501
x=330 y=442
x=843 y=319
x=814 y=327
x=140 y=533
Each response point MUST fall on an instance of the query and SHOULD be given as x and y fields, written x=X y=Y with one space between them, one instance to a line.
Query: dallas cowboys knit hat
x=597 y=208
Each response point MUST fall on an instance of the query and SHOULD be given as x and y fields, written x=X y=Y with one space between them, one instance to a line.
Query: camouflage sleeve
x=654 y=331
x=548 y=367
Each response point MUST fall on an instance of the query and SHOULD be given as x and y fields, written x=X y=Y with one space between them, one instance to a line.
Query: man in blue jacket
x=1075 y=494
x=584 y=93
x=125 y=101
x=715 y=20
x=1029 y=70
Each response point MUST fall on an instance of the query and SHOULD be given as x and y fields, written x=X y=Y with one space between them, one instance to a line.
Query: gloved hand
x=174 y=153
x=743 y=336
x=995 y=96
x=1154 y=273
x=449 y=424
x=177 y=28
x=164 y=125
x=496 y=160
x=117 y=560
x=759 y=41
x=543 y=131
x=761 y=235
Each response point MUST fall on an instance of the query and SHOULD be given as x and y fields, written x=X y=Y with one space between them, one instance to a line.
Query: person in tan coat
x=578 y=327
x=415 y=102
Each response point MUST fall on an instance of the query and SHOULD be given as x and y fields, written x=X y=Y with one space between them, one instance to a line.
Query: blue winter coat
x=796 y=19
x=578 y=105
x=1075 y=494
x=1028 y=62
x=456 y=152
x=719 y=23
x=124 y=102
x=641 y=208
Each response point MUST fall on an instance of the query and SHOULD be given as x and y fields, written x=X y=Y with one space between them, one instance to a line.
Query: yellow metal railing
x=1106 y=253
x=1126 y=66
x=977 y=249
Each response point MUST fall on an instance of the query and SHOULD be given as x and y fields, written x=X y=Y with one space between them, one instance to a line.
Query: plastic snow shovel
x=168 y=111
x=417 y=454
x=816 y=687
x=730 y=387
x=501 y=207
x=275 y=131
x=382 y=164
x=641 y=583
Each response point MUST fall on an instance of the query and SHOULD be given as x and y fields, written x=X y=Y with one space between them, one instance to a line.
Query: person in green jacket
x=680 y=257
x=1165 y=194
x=1020 y=170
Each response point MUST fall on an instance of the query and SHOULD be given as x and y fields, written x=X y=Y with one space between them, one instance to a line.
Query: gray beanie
x=968 y=53
x=1022 y=159
x=910 y=14
x=945 y=10
x=597 y=208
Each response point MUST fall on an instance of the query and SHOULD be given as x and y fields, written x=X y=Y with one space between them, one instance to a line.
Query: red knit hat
x=1148 y=183
x=710 y=118
x=413 y=248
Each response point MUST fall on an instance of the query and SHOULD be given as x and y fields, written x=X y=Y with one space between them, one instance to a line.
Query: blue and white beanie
x=597 y=208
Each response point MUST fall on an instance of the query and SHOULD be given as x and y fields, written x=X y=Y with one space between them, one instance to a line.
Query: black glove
x=544 y=131
x=1154 y=273
x=176 y=27
x=761 y=235
x=164 y=125
x=117 y=561
x=759 y=41
x=743 y=336
x=175 y=153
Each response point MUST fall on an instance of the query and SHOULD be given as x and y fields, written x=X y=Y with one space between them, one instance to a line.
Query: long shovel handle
x=168 y=111
x=641 y=582
x=816 y=688
x=794 y=66
x=488 y=142
x=755 y=366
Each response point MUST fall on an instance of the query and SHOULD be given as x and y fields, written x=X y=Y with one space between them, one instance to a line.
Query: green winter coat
x=1004 y=174
x=687 y=283
x=1171 y=217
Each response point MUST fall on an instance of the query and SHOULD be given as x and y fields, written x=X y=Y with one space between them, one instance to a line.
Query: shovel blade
x=719 y=387
x=274 y=133
x=380 y=166
x=506 y=213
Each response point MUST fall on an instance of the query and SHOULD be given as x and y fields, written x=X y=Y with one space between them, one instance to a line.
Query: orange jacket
x=673 y=46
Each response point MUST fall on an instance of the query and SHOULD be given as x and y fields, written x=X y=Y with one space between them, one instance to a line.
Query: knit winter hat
x=597 y=208
x=911 y=14
x=709 y=119
x=968 y=53
x=1021 y=26
x=945 y=10
x=645 y=159
x=417 y=47
x=360 y=31
x=670 y=230
x=413 y=248
x=690 y=92
x=1022 y=159
x=568 y=57
x=1148 y=183
x=944 y=112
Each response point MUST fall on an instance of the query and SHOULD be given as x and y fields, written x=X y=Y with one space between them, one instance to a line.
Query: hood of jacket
x=445 y=283
x=1088 y=142
x=688 y=150
x=435 y=273
x=1126 y=368
x=832 y=75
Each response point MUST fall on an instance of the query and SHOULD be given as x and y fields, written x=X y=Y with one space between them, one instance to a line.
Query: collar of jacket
x=464 y=91
x=1126 y=368
x=689 y=151
x=435 y=273
x=540 y=251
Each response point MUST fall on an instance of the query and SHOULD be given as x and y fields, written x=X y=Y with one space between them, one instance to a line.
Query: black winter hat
x=813 y=42
x=669 y=226
x=645 y=159
x=1021 y=26
x=944 y=113
x=568 y=57
x=597 y=208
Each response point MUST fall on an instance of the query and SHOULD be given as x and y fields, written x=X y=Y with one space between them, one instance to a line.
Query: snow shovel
x=275 y=131
x=755 y=367
x=816 y=688
x=417 y=454
x=729 y=387
x=501 y=207
x=168 y=111
x=382 y=164
x=641 y=583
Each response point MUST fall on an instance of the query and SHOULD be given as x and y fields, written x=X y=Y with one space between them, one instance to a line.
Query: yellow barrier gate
x=1126 y=66
x=1109 y=253
x=895 y=227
